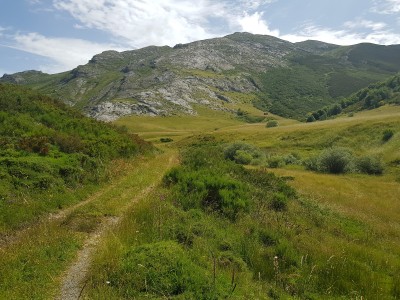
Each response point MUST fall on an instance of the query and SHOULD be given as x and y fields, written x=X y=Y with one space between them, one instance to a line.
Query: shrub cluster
x=46 y=147
x=341 y=160
x=243 y=153
x=161 y=268
x=387 y=135
x=211 y=192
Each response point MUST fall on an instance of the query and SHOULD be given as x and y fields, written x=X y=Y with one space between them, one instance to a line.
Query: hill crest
x=289 y=79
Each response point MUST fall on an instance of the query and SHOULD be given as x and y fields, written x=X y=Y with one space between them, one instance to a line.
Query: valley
x=267 y=170
x=336 y=228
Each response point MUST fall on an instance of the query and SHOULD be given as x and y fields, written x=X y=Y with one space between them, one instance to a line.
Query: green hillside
x=374 y=96
x=287 y=79
x=50 y=154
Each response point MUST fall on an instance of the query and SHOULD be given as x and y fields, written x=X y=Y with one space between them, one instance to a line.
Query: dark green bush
x=166 y=140
x=336 y=161
x=243 y=153
x=279 y=202
x=200 y=189
x=47 y=148
x=243 y=157
x=370 y=165
x=387 y=135
x=276 y=162
x=332 y=160
x=272 y=123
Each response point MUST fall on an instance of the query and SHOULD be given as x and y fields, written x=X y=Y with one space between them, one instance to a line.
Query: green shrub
x=276 y=162
x=279 y=202
x=162 y=269
x=242 y=157
x=272 y=123
x=312 y=164
x=370 y=165
x=243 y=153
x=387 y=135
x=200 y=189
x=291 y=159
x=310 y=119
x=335 y=161
x=166 y=140
x=332 y=160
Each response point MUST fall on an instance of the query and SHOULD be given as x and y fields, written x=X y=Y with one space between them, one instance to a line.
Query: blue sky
x=57 y=35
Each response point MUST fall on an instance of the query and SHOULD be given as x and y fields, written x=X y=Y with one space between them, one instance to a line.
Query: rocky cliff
x=235 y=68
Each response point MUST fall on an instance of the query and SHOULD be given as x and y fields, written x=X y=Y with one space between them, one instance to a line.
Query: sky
x=57 y=35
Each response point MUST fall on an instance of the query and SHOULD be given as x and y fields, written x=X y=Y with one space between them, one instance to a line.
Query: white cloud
x=255 y=24
x=344 y=36
x=146 y=22
x=253 y=4
x=167 y=22
x=386 y=6
x=365 y=24
x=34 y=2
x=65 y=53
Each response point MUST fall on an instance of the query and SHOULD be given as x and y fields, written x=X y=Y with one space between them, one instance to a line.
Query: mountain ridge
x=288 y=79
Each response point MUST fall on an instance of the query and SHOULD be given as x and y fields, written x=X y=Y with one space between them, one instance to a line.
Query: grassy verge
x=241 y=234
x=31 y=267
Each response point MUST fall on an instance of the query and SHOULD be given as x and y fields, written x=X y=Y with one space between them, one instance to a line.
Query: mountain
x=288 y=79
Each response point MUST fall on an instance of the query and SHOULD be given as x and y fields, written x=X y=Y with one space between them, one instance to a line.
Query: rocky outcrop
x=166 y=81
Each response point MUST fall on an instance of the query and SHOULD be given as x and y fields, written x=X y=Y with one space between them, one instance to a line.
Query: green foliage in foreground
x=279 y=247
x=167 y=269
x=47 y=151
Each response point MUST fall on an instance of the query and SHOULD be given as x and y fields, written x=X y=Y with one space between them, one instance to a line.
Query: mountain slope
x=49 y=152
x=285 y=78
x=373 y=96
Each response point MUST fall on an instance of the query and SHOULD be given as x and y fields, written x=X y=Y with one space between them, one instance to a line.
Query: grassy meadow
x=335 y=237
x=199 y=222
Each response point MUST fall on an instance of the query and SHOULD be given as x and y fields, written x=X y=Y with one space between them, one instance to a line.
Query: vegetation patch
x=341 y=160
x=49 y=151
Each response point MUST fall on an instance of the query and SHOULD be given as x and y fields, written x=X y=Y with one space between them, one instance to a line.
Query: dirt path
x=73 y=281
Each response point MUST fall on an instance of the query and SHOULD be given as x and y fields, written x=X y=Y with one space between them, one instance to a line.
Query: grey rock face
x=166 y=81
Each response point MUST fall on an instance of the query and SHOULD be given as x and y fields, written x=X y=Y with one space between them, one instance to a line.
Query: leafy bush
x=387 y=135
x=341 y=160
x=242 y=157
x=336 y=160
x=276 y=162
x=161 y=269
x=200 y=189
x=47 y=147
x=166 y=140
x=279 y=202
x=243 y=153
x=332 y=160
x=310 y=118
x=248 y=118
x=370 y=165
x=272 y=123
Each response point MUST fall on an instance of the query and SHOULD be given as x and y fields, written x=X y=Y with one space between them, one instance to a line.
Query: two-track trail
x=50 y=259
x=131 y=189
